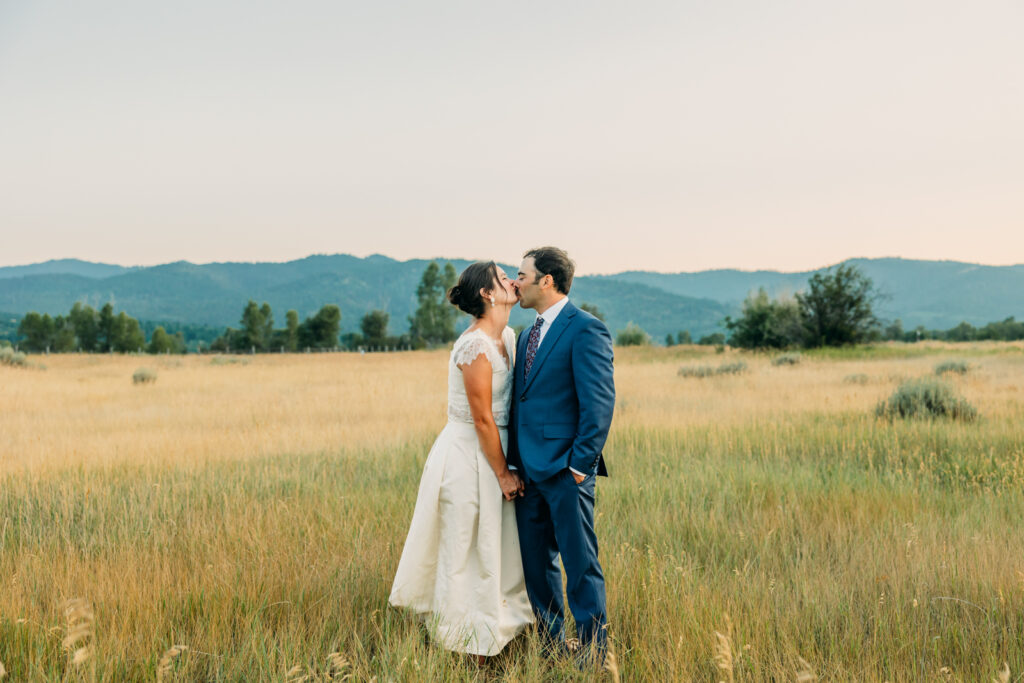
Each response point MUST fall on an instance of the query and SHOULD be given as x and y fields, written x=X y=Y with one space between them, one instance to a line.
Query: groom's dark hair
x=554 y=262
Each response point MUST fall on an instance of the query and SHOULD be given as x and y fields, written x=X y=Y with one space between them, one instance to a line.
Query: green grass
x=813 y=537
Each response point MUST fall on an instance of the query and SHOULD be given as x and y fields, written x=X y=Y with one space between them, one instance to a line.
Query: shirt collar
x=553 y=311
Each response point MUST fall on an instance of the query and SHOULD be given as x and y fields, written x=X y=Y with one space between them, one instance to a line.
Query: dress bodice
x=467 y=348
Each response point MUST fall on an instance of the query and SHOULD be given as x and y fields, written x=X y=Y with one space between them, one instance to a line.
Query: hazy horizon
x=579 y=271
x=662 y=136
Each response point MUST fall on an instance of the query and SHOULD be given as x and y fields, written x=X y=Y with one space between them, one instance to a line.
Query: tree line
x=1009 y=329
x=86 y=330
x=90 y=331
x=836 y=309
x=432 y=324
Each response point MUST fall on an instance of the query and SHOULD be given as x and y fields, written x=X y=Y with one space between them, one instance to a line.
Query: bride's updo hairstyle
x=466 y=294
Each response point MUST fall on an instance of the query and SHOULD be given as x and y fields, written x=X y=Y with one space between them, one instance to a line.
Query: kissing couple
x=509 y=484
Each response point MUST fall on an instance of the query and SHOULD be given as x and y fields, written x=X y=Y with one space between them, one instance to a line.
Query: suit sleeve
x=592 y=367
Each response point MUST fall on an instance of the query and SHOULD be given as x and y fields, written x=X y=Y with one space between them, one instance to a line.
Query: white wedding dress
x=460 y=568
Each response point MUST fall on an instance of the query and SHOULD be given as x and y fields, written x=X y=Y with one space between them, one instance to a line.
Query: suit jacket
x=561 y=413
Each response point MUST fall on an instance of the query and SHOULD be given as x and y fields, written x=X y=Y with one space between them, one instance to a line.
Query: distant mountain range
x=936 y=294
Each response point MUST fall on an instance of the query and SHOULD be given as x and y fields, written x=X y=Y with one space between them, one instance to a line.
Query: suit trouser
x=556 y=517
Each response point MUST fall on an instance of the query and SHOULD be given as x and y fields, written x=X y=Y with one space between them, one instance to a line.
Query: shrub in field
x=227 y=360
x=958 y=367
x=926 y=398
x=701 y=371
x=787 y=359
x=732 y=368
x=859 y=378
x=696 y=371
x=9 y=356
x=144 y=376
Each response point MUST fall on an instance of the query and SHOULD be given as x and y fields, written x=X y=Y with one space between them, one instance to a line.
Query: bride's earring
x=492 y=300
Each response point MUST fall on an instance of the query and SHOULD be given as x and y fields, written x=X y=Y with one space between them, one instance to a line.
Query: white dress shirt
x=549 y=318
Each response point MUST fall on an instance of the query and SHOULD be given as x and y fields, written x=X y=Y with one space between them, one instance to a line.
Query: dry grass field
x=758 y=526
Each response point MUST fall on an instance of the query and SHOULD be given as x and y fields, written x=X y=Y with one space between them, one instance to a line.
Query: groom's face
x=528 y=284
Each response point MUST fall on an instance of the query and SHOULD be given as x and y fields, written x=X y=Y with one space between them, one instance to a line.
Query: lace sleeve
x=470 y=349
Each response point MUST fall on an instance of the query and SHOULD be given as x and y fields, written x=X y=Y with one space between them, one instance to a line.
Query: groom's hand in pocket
x=577 y=476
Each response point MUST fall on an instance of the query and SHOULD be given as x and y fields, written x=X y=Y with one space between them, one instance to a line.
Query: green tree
x=684 y=337
x=765 y=323
x=63 y=335
x=291 y=336
x=962 y=332
x=321 y=330
x=257 y=326
x=713 y=339
x=161 y=342
x=230 y=340
x=894 y=331
x=128 y=336
x=86 y=323
x=36 y=331
x=106 y=329
x=837 y=307
x=449 y=314
x=632 y=335
x=434 y=320
x=670 y=340
x=374 y=326
x=1009 y=329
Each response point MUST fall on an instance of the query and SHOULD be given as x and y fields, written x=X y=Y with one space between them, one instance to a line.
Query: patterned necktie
x=532 y=343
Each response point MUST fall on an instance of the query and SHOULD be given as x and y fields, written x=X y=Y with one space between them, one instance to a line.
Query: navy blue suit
x=560 y=416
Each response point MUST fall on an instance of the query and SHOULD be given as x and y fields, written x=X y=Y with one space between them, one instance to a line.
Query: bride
x=460 y=567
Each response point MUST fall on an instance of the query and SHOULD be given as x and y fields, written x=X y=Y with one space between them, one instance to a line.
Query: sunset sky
x=649 y=135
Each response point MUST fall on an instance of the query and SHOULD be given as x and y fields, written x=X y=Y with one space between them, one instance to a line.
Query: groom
x=562 y=403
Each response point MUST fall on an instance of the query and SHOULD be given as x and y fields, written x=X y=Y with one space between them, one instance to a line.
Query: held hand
x=510 y=485
x=578 y=477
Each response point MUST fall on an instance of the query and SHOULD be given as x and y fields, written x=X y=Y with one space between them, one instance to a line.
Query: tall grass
x=250 y=521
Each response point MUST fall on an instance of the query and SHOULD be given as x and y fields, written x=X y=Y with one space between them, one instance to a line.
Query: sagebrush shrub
x=696 y=371
x=708 y=371
x=732 y=368
x=144 y=376
x=858 y=378
x=926 y=398
x=227 y=360
x=9 y=356
x=787 y=359
x=958 y=367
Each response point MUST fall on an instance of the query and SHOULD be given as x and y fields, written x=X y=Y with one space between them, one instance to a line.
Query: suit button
x=522 y=399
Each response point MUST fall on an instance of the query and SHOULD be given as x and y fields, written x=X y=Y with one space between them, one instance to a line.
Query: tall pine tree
x=434 y=320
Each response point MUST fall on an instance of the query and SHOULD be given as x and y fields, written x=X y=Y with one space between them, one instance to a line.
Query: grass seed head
x=167 y=661
x=723 y=651
x=79 y=634
x=805 y=672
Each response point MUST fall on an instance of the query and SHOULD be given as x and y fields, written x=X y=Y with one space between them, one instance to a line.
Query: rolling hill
x=936 y=294
x=215 y=293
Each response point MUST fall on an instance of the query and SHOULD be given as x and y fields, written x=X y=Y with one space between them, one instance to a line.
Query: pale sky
x=644 y=135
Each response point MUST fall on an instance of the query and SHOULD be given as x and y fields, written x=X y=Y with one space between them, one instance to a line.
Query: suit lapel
x=550 y=339
x=521 y=358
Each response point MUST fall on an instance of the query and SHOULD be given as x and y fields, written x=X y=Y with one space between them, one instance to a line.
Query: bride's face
x=504 y=290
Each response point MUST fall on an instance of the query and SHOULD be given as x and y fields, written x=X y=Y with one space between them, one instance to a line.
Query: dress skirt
x=460 y=568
